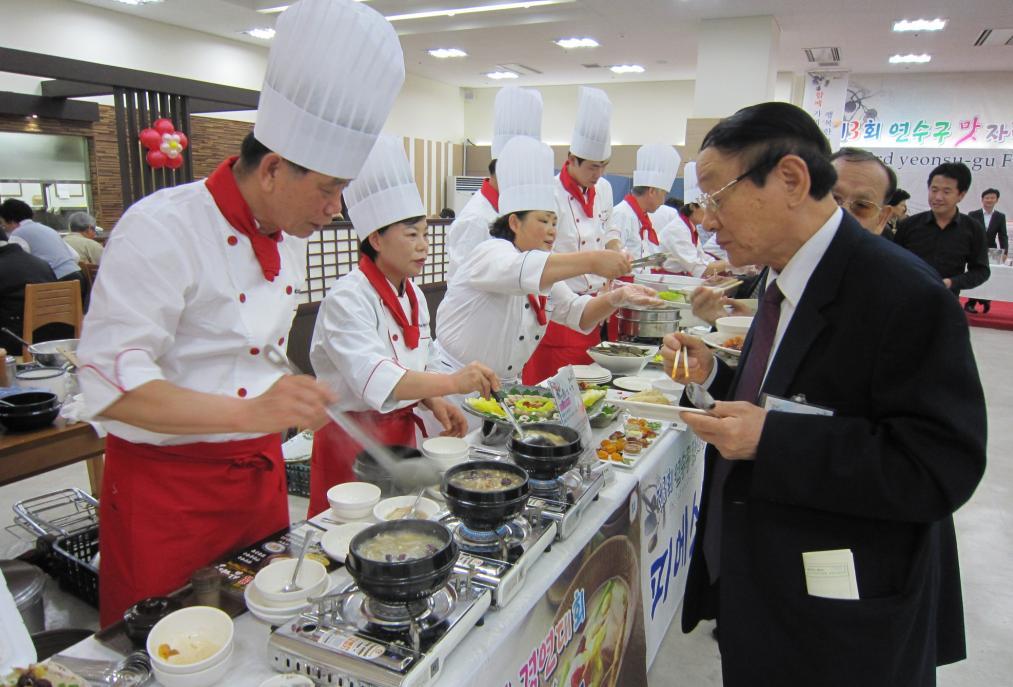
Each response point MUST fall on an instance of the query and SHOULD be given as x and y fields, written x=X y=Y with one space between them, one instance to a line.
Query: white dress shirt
x=576 y=232
x=182 y=298
x=358 y=349
x=485 y=315
x=469 y=228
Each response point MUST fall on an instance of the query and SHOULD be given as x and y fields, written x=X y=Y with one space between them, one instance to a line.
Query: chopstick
x=685 y=363
x=675 y=363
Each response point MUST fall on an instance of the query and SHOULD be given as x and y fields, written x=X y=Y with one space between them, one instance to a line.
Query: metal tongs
x=408 y=474
x=656 y=260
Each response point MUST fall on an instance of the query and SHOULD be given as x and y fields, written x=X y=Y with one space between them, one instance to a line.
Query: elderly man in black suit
x=995 y=229
x=852 y=430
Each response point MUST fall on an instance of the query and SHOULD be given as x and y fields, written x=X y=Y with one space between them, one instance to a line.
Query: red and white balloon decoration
x=165 y=145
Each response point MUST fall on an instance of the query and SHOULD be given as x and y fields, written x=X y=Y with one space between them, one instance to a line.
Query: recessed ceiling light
x=444 y=53
x=910 y=59
x=264 y=34
x=936 y=24
x=139 y=2
x=570 y=43
x=501 y=75
x=274 y=9
x=474 y=10
x=627 y=69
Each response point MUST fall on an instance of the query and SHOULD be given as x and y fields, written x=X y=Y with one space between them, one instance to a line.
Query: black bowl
x=397 y=582
x=26 y=422
x=145 y=614
x=28 y=402
x=546 y=461
x=485 y=510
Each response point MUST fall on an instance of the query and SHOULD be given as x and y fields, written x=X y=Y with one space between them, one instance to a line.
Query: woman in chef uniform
x=371 y=343
x=196 y=281
x=499 y=304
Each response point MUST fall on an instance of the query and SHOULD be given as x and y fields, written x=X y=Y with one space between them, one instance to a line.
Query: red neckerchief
x=491 y=194
x=383 y=288
x=538 y=305
x=646 y=226
x=232 y=205
x=571 y=186
x=692 y=229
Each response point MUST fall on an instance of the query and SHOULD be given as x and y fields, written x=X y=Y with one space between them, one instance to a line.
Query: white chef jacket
x=358 y=349
x=485 y=315
x=182 y=298
x=684 y=256
x=469 y=228
x=576 y=232
x=626 y=229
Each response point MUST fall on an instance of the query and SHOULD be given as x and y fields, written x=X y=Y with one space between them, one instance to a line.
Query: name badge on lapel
x=795 y=404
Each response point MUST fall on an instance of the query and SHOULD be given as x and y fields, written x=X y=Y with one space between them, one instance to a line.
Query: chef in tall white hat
x=584 y=198
x=499 y=304
x=632 y=221
x=197 y=280
x=372 y=339
x=517 y=112
x=689 y=247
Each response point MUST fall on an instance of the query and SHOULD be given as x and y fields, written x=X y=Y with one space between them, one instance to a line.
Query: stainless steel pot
x=46 y=353
x=647 y=323
x=26 y=584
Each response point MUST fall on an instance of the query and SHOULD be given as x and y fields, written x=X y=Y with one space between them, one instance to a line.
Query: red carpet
x=1000 y=316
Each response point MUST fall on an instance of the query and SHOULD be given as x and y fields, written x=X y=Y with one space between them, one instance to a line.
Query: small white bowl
x=204 y=622
x=427 y=507
x=270 y=580
x=353 y=500
x=621 y=364
x=336 y=540
x=202 y=678
x=447 y=451
x=734 y=326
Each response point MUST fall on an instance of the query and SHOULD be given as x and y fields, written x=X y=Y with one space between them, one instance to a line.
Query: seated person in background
x=864 y=187
x=898 y=211
x=17 y=268
x=45 y=242
x=82 y=238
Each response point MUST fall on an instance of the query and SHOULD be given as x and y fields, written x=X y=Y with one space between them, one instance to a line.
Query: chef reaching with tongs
x=196 y=281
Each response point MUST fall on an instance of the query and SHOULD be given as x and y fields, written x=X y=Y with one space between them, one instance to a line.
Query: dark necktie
x=754 y=362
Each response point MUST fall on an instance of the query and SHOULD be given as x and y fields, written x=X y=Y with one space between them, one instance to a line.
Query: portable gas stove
x=348 y=639
x=565 y=499
x=500 y=558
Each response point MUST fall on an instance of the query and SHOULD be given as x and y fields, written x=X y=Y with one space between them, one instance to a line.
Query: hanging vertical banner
x=824 y=98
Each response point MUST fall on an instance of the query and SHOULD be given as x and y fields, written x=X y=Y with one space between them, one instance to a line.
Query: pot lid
x=24 y=580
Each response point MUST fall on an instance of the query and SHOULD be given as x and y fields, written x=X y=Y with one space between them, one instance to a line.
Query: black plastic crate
x=298 y=474
x=73 y=567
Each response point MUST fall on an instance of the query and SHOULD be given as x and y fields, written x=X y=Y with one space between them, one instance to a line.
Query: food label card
x=572 y=413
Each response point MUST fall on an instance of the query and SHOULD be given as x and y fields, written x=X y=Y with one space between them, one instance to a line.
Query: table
x=469 y=662
x=999 y=286
x=24 y=454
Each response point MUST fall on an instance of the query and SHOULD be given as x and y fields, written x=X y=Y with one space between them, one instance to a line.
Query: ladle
x=699 y=397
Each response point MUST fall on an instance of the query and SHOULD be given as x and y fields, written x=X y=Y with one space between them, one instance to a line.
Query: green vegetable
x=673 y=296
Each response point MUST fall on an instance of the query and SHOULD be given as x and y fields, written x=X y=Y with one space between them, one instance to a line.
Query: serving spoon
x=291 y=586
x=700 y=397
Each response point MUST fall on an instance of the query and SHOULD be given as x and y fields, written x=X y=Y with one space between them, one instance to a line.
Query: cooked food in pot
x=541 y=437
x=399 y=545
x=485 y=479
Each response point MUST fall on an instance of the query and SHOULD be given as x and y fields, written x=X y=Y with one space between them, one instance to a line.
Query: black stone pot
x=397 y=582
x=545 y=461
x=485 y=510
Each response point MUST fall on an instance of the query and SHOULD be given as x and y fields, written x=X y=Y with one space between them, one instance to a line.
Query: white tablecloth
x=999 y=286
x=250 y=661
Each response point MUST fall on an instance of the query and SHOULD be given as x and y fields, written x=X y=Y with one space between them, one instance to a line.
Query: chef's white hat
x=657 y=165
x=384 y=192
x=592 y=137
x=517 y=112
x=525 y=176
x=333 y=73
x=690 y=191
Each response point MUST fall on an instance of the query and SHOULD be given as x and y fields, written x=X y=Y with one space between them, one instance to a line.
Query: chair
x=57 y=302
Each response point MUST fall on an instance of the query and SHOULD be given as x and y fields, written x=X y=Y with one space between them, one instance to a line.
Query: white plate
x=260 y=606
x=633 y=383
x=595 y=374
x=337 y=539
x=715 y=339
x=652 y=411
x=298 y=448
x=287 y=680
x=630 y=460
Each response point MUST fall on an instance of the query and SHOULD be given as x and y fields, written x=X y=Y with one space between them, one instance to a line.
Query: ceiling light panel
x=138 y=2
x=571 y=43
x=910 y=59
x=936 y=24
x=444 y=53
x=497 y=7
x=627 y=69
x=264 y=34
x=501 y=75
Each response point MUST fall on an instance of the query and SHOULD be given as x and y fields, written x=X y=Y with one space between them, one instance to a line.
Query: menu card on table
x=572 y=413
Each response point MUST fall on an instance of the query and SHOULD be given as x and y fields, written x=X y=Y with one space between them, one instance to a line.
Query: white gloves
x=632 y=294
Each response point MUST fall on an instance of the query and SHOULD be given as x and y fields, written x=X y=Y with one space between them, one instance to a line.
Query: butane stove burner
x=508 y=537
x=564 y=500
x=396 y=616
x=552 y=489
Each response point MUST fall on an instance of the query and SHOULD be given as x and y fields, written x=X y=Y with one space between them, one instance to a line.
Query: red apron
x=334 y=451
x=561 y=346
x=166 y=511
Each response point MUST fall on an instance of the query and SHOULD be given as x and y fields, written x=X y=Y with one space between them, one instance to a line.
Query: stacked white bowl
x=353 y=500
x=446 y=451
x=191 y=647
x=265 y=598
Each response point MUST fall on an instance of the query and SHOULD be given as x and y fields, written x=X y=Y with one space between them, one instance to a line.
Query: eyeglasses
x=862 y=209
x=709 y=201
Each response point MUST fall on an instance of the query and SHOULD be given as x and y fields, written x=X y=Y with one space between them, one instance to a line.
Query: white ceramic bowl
x=201 y=622
x=256 y=603
x=270 y=580
x=734 y=326
x=51 y=379
x=336 y=540
x=202 y=678
x=353 y=500
x=447 y=451
x=427 y=507
x=624 y=365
